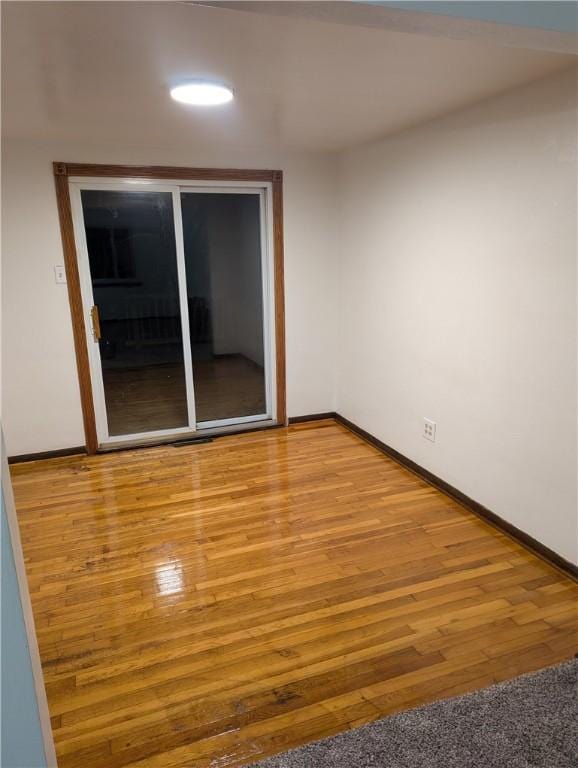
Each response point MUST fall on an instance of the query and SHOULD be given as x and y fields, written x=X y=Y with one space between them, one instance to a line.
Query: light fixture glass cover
x=202 y=93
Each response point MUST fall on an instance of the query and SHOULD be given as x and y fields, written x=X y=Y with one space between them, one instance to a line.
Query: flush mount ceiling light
x=202 y=93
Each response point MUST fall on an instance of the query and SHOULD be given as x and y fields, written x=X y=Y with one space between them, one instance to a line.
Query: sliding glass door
x=223 y=262
x=176 y=291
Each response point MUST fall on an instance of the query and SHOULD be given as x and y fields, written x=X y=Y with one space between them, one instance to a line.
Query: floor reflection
x=169 y=578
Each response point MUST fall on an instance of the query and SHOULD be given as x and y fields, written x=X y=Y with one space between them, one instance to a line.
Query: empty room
x=289 y=384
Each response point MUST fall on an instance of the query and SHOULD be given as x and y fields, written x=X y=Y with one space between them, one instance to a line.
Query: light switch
x=59 y=274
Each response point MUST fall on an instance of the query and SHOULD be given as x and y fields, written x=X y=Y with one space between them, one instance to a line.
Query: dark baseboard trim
x=313 y=417
x=78 y=450
x=553 y=558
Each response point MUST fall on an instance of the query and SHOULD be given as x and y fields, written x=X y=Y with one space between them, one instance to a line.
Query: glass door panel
x=130 y=238
x=223 y=259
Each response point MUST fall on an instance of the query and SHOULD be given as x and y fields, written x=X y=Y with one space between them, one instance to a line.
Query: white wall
x=40 y=395
x=250 y=293
x=234 y=255
x=458 y=302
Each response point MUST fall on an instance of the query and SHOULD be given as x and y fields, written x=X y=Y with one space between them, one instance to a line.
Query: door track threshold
x=192 y=441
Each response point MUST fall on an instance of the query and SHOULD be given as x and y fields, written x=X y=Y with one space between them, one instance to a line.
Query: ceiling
x=100 y=72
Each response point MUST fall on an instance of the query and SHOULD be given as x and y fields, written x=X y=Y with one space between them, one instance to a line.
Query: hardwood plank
x=215 y=604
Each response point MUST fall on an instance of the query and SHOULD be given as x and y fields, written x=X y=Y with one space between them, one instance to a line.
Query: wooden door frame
x=64 y=171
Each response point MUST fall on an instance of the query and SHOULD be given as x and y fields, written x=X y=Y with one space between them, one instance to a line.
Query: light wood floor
x=148 y=398
x=209 y=605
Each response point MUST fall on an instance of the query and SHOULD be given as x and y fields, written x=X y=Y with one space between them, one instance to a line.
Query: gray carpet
x=528 y=722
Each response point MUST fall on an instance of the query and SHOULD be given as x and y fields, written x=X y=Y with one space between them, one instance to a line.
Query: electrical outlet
x=59 y=274
x=429 y=430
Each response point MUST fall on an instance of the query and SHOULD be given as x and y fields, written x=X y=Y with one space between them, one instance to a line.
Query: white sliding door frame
x=175 y=188
x=267 y=289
